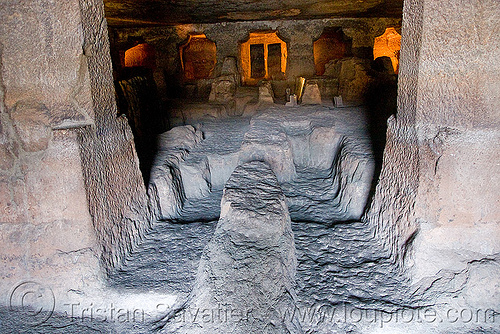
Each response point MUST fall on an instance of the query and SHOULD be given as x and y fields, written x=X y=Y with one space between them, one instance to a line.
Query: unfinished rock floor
x=322 y=157
x=329 y=151
x=341 y=266
x=167 y=259
x=337 y=264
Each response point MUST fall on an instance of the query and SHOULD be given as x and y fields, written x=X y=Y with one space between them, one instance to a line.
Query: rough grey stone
x=32 y=124
x=223 y=89
x=167 y=188
x=166 y=260
x=432 y=225
x=74 y=192
x=249 y=265
x=192 y=113
x=109 y=159
x=265 y=141
x=266 y=94
x=230 y=67
x=321 y=157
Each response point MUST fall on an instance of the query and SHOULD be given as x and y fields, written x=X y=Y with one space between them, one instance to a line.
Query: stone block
x=266 y=93
x=195 y=176
x=311 y=94
x=181 y=137
x=223 y=89
x=273 y=148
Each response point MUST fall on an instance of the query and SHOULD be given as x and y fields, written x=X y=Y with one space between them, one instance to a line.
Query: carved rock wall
x=321 y=157
x=299 y=36
x=436 y=204
x=73 y=199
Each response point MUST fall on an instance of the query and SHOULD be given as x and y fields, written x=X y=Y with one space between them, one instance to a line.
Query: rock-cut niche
x=388 y=45
x=198 y=57
x=332 y=44
x=263 y=56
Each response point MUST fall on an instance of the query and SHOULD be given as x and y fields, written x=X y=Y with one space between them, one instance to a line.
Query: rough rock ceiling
x=170 y=12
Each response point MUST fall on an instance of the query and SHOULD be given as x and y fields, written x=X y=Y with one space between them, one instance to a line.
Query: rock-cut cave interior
x=245 y=166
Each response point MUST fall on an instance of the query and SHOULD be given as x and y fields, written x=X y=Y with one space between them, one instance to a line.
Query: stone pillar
x=457 y=119
x=438 y=192
x=71 y=193
x=114 y=184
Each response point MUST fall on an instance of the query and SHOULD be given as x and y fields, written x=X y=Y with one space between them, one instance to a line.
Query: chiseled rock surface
x=166 y=189
x=321 y=157
x=246 y=275
x=191 y=11
x=73 y=201
x=166 y=260
x=343 y=268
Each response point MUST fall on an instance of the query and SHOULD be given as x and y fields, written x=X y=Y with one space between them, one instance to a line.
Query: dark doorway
x=257 y=61
x=274 y=59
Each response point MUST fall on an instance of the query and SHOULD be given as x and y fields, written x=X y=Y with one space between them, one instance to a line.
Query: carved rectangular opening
x=257 y=63
x=332 y=44
x=263 y=56
x=274 y=59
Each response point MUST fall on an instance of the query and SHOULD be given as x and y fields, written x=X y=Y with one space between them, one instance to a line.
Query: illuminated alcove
x=388 y=45
x=198 y=57
x=332 y=44
x=263 y=56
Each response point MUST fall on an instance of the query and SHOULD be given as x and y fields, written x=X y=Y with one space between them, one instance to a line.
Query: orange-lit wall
x=388 y=45
x=142 y=55
x=266 y=38
x=328 y=46
x=299 y=37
